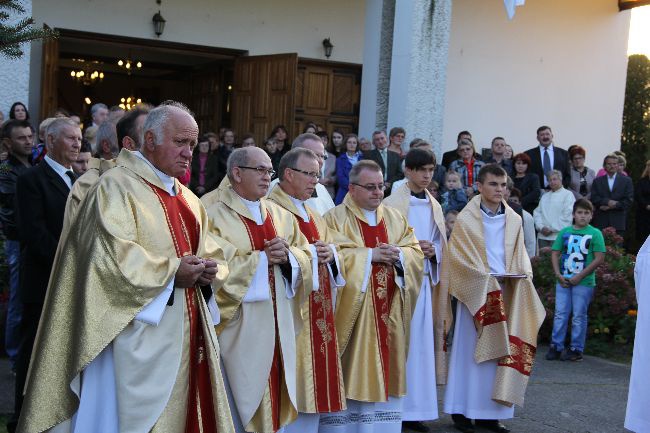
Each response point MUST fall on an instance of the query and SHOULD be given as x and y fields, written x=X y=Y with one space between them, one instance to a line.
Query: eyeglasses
x=260 y=170
x=371 y=187
x=311 y=174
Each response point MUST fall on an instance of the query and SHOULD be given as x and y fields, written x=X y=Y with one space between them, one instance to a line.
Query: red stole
x=258 y=235
x=382 y=289
x=324 y=345
x=185 y=231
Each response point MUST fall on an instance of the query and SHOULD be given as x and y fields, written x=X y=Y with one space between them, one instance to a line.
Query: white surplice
x=637 y=416
x=362 y=416
x=421 y=400
x=469 y=385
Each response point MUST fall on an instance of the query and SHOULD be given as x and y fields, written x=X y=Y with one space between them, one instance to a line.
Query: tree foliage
x=12 y=36
x=635 y=137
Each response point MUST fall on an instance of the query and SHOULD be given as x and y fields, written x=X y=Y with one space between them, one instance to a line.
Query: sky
x=639 y=41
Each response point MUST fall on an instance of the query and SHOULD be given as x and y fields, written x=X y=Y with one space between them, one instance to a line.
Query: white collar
x=168 y=181
x=371 y=216
x=300 y=205
x=59 y=168
x=550 y=148
x=255 y=208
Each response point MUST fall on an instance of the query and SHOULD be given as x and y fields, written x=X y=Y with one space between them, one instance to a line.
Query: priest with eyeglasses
x=383 y=273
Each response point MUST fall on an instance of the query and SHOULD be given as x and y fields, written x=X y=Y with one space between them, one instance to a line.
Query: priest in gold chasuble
x=260 y=303
x=383 y=274
x=498 y=313
x=432 y=317
x=319 y=377
x=126 y=342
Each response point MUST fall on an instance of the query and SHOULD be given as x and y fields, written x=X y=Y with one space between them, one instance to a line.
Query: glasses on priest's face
x=260 y=170
x=312 y=174
x=371 y=187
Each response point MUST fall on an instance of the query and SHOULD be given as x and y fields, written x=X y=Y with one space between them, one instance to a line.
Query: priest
x=432 y=316
x=126 y=341
x=260 y=302
x=383 y=273
x=498 y=314
x=637 y=417
x=319 y=376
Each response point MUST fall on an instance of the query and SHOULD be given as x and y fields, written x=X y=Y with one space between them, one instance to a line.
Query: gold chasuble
x=373 y=312
x=258 y=335
x=441 y=302
x=122 y=251
x=507 y=315
x=319 y=378
x=96 y=167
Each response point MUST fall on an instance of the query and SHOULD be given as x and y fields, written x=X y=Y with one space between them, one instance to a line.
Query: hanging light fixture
x=327 y=44
x=88 y=72
x=129 y=102
x=158 y=22
x=129 y=64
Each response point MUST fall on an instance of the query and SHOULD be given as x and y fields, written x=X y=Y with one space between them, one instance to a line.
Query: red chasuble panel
x=258 y=235
x=323 y=334
x=185 y=231
x=383 y=291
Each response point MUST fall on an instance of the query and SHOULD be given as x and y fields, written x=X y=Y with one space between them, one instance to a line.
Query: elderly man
x=432 y=315
x=383 y=276
x=99 y=114
x=106 y=145
x=554 y=211
x=389 y=162
x=319 y=377
x=498 y=313
x=129 y=136
x=260 y=302
x=41 y=193
x=611 y=196
x=127 y=342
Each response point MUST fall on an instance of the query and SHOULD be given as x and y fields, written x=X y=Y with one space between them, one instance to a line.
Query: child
x=450 y=220
x=454 y=197
x=434 y=189
x=577 y=251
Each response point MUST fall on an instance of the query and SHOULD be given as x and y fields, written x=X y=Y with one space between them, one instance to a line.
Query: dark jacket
x=505 y=164
x=560 y=163
x=394 y=170
x=622 y=192
x=41 y=195
x=529 y=185
x=210 y=172
x=9 y=172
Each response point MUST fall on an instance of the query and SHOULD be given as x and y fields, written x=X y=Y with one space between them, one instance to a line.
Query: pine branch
x=12 y=36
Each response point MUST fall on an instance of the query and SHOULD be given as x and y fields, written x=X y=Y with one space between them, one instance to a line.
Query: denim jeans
x=15 y=310
x=570 y=300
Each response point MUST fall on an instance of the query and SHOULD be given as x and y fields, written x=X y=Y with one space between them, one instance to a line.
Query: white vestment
x=362 y=416
x=469 y=385
x=421 y=400
x=637 y=415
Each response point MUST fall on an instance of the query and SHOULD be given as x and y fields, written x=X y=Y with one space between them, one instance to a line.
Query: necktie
x=546 y=164
x=71 y=176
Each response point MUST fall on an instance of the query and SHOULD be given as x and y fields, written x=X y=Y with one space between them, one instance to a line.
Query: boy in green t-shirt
x=577 y=251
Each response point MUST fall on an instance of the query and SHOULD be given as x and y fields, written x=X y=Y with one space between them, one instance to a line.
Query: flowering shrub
x=612 y=313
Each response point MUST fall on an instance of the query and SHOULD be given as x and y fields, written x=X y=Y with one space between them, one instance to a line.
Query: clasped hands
x=428 y=249
x=385 y=253
x=195 y=271
x=324 y=252
x=611 y=204
x=277 y=251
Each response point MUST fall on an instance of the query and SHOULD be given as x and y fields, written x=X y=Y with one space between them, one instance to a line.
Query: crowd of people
x=168 y=279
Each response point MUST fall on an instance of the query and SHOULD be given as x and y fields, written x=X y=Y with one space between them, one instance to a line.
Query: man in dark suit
x=611 y=196
x=41 y=194
x=390 y=162
x=547 y=157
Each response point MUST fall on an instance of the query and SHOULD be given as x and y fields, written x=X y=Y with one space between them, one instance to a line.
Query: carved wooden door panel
x=49 y=77
x=263 y=94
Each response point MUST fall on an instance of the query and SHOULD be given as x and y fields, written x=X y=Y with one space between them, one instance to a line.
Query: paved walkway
x=588 y=396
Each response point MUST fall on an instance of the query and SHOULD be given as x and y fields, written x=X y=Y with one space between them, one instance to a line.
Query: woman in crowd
x=281 y=137
x=333 y=149
x=621 y=164
x=527 y=183
x=396 y=138
x=310 y=128
x=508 y=153
x=365 y=145
x=203 y=170
x=247 y=140
x=18 y=111
x=344 y=164
x=467 y=166
x=271 y=149
x=581 y=176
x=642 y=193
